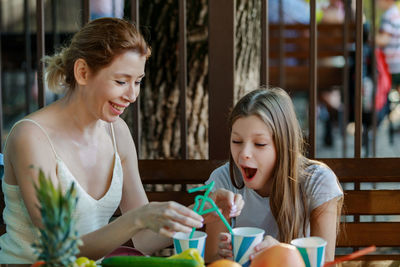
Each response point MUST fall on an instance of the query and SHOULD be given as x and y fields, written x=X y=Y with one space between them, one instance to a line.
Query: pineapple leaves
x=59 y=241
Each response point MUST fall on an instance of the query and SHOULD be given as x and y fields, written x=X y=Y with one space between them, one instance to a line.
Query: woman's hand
x=229 y=203
x=167 y=218
x=268 y=242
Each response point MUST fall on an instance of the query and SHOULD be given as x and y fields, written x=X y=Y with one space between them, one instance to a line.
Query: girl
x=81 y=138
x=285 y=193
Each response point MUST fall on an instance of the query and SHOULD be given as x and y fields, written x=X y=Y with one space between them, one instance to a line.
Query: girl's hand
x=167 y=218
x=268 y=242
x=225 y=245
x=229 y=203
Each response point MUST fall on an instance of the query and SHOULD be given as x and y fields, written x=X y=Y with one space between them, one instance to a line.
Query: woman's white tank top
x=91 y=214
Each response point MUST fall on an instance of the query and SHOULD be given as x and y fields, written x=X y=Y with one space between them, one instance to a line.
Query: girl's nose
x=246 y=152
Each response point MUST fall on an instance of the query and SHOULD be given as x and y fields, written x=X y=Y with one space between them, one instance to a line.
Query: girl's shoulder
x=321 y=185
x=222 y=170
x=317 y=167
x=316 y=173
x=221 y=177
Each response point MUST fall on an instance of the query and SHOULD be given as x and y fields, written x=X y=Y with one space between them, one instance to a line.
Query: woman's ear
x=81 y=71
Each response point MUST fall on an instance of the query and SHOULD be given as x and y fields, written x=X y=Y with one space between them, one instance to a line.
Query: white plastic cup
x=244 y=239
x=182 y=242
x=312 y=249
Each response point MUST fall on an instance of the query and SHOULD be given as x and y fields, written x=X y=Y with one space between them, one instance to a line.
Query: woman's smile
x=117 y=109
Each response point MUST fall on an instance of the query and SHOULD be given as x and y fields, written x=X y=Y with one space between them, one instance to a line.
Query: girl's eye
x=138 y=82
x=236 y=142
x=260 y=145
x=120 y=82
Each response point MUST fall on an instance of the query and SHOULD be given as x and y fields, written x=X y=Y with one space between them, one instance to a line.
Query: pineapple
x=59 y=241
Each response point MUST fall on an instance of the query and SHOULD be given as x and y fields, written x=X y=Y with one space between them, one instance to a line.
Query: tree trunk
x=160 y=133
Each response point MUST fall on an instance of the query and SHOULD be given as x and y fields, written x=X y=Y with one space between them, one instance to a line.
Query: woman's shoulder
x=123 y=137
x=27 y=141
x=25 y=131
x=120 y=127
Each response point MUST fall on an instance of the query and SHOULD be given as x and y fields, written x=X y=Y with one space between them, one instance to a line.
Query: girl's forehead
x=252 y=124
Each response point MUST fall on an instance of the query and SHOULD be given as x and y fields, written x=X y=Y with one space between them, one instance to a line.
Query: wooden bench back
x=296 y=51
x=351 y=172
x=357 y=202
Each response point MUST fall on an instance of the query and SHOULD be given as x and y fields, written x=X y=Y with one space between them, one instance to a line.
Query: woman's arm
x=168 y=218
x=28 y=145
x=28 y=149
x=323 y=222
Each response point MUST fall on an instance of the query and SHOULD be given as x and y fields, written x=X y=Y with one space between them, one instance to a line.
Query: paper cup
x=312 y=249
x=182 y=242
x=244 y=239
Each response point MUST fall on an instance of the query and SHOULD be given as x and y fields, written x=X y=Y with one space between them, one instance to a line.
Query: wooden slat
x=28 y=57
x=346 y=77
x=1 y=87
x=358 y=79
x=386 y=234
x=366 y=170
x=297 y=77
x=182 y=77
x=374 y=77
x=40 y=51
x=135 y=107
x=312 y=95
x=372 y=202
x=195 y=171
x=181 y=197
x=264 y=73
x=85 y=11
x=369 y=202
x=176 y=171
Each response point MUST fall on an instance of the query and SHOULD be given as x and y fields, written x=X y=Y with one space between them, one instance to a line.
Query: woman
x=81 y=138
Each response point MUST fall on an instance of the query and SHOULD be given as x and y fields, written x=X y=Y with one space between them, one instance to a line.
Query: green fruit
x=141 y=261
x=82 y=261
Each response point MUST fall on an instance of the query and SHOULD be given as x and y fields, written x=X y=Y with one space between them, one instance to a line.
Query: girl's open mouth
x=249 y=173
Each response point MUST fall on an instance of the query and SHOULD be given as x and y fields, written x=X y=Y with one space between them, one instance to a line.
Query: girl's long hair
x=288 y=201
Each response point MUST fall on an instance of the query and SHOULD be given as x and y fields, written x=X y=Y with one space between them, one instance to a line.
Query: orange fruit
x=38 y=263
x=224 y=263
x=282 y=255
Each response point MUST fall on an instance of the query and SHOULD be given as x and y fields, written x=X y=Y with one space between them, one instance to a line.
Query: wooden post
x=221 y=74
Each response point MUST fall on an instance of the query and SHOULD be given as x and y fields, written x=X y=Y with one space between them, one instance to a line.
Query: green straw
x=204 y=198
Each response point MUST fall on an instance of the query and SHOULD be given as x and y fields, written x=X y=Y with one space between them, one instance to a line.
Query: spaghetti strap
x=113 y=138
x=38 y=125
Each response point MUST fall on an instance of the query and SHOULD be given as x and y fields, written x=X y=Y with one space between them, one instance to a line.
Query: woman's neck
x=82 y=124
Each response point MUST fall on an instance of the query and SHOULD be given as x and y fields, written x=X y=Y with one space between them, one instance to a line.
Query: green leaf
x=59 y=241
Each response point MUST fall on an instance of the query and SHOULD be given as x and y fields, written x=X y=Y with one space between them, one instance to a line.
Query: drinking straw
x=351 y=256
x=199 y=208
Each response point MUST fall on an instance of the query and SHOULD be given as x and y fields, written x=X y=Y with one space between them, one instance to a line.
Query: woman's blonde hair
x=98 y=43
x=288 y=202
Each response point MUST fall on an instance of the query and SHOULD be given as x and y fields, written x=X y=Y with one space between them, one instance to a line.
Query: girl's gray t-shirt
x=321 y=187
